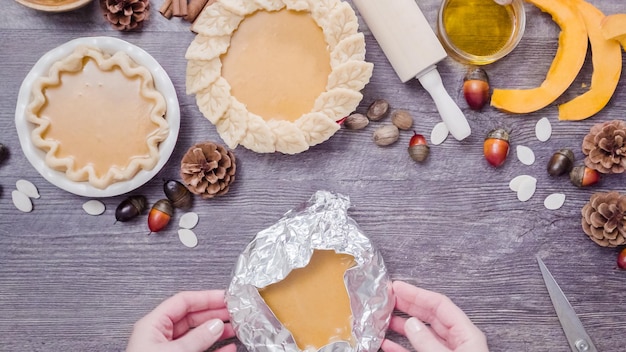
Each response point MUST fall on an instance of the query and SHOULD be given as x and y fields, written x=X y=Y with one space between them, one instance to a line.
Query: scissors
x=579 y=340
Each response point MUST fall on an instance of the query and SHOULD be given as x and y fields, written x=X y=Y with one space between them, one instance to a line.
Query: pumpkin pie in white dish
x=54 y=5
x=98 y=117
x=277 y=75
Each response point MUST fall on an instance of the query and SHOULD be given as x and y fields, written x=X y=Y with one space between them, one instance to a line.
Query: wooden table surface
x=74 y=282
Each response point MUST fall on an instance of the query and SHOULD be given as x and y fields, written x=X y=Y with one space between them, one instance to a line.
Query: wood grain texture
x=73 y=282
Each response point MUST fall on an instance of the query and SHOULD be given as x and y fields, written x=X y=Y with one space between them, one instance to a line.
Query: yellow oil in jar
x=478 y=27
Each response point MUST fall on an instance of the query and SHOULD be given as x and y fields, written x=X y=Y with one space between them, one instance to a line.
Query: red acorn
x=583 y=176
x=160 y=215
x=476 y=88
x=418 y=147
x=621 y=259
x=496 y=147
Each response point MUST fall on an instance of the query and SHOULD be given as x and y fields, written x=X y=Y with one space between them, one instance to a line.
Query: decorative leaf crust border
x=235 y=124
x=74 y=63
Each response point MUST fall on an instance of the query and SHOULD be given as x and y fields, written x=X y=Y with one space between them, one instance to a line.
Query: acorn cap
x=419 y=152
x=476 y=73
x=498 y=133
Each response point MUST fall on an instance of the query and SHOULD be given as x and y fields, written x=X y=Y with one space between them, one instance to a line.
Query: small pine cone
x=603 y=219
x=208 y=169
x=125 y=15
x=605 y=147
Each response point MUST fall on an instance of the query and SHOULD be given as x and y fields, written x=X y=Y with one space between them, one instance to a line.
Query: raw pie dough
x=99 y=118
x=240 y=122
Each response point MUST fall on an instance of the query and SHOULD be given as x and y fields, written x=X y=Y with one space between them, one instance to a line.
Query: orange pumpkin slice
x=607 y=68
x=614 y=27
x=567 y=62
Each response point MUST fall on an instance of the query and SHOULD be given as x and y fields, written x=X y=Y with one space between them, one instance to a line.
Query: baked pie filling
x=277 y=75
x=99 y=118
x=313 y=302
x=52 y=2
x=277 y=64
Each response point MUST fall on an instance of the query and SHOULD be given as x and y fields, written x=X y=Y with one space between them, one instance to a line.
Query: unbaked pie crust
x=349 y=73
x=89 y=121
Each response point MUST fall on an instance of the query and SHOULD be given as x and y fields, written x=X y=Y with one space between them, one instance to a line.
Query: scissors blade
x=579 y=340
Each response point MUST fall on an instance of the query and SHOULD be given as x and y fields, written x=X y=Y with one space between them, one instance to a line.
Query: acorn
x=476 y=88
x=130 y=208
x=583 y=176
x=496 y=147
x=418 y=148
x=160 y=215
x=621 y=259
x=561 y=162
x=178 y=194
x=4 y=152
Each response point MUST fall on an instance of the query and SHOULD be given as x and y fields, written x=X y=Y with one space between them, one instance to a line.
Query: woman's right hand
x=448 y=329
x=189 y=321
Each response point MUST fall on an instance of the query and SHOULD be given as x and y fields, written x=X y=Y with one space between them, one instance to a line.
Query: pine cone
x=605 y=147
x=603 y=219
x=208 y=169
x=125 y=15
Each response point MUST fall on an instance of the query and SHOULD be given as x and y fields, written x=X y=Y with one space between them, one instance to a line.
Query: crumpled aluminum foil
x=321 y=223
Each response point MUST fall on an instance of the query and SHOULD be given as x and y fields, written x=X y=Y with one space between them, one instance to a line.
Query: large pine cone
x=125 y=15
x=605 y=147
x=603 y=219
x=208 y=169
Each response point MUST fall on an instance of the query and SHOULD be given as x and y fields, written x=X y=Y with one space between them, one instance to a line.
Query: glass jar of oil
x=480 y=32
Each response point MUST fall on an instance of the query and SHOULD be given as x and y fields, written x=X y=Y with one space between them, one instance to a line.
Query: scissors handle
x=582 y=345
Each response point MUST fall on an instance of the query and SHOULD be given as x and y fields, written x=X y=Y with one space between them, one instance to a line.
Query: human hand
x=449 y=330
x=190 y=321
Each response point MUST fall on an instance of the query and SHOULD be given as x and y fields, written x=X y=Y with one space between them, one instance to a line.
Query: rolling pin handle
x=450 y=113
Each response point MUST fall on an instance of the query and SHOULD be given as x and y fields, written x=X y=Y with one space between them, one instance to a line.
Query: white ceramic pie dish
x=36 y=156
x=61 y=7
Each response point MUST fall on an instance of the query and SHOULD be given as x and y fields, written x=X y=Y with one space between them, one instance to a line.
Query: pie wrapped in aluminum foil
x=321 y=223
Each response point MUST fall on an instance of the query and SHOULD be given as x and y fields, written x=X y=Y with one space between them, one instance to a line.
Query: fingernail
x=216 y=326
x=412 y=326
